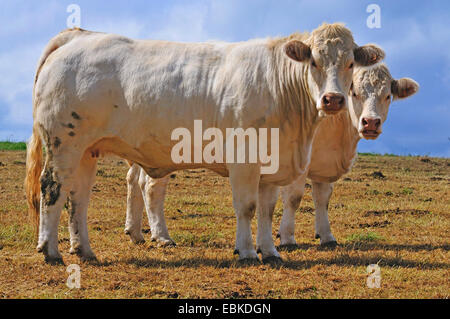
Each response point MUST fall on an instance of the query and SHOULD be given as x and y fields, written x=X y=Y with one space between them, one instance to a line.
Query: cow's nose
x=371 y=124
x=333 y=102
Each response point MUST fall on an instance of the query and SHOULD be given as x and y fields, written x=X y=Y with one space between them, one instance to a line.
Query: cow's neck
x=297 y=108
x=334 y=148
x=309 y=123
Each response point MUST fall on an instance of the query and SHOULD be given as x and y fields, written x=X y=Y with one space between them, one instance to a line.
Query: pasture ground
x=400 y=221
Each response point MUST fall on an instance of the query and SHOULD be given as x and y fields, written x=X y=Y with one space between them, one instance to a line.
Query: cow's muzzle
x=333 y=103
x=370 y=127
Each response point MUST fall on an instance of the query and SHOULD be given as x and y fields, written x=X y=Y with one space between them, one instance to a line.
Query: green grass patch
x=13 y=146
x=186 y=238
x=366 y=237
x=407 y=191
x=17 y=235
x=377 y=154
x=373 y=192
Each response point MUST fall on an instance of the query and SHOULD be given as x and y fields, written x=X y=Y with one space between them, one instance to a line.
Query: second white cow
x=333 y=154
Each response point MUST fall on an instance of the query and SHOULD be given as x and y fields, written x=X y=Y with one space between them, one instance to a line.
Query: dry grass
x=400 y=221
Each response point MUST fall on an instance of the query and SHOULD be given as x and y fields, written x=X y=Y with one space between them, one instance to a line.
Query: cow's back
x=161 y=78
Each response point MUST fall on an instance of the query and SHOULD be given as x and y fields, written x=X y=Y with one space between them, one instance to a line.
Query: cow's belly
x=154 y=154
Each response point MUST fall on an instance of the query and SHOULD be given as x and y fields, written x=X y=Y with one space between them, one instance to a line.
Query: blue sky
x=415 y=36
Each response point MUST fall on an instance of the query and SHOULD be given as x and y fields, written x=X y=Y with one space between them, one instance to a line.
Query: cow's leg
x=268 y=195
x=154 y=192
x=56 y=181
x=78 y=206
x=244 y=180
x=135 y=206
x=321 y=195
x=52 y=202
x=292 y=196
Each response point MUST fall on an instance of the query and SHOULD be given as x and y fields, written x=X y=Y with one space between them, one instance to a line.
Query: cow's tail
x=34 y=149
x=32 y=179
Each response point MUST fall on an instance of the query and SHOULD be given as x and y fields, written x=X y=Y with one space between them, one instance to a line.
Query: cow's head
x=331 y=55
x=372 y=91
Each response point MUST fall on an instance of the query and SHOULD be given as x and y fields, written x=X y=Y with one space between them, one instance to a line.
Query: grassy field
x=12 y=146
x=400 y=222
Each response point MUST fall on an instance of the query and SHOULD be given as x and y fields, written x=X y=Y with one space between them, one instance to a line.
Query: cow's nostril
x=377 y=123
x=333 y=100
x=372 y=124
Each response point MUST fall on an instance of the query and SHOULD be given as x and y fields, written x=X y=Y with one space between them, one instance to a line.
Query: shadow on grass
x=98 y=263
x=340 y=260
x=345 y=260
x=366 y=247
x=189 y=262
x=413 y=247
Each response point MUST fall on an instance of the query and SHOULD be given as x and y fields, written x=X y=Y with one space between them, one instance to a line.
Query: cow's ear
x=368 y=54
x=297 y=50
x=403 y=88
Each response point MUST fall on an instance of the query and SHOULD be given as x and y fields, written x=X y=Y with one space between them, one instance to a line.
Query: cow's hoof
x=54 y=260
x=317 y=236
x=164 y=242
x=246 y=254
x=42 y=247
x=273 y=261
x=136 y=238
x=139 y=241
x=288 y=247
x=329 y=245
x=89 y=259
x=75 y=250
x=85 y=256
x=270 y=256
x=327 y=240
x=288 y=241
x=271 y=252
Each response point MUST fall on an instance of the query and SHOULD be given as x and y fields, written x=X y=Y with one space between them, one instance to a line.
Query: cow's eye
x=313 y=63
x=354 y=94
x=350 y=66
x=388 y=98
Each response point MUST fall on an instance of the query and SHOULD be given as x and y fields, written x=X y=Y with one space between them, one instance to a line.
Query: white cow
x=98 y=94
x=334 y=147
x=333 y=154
